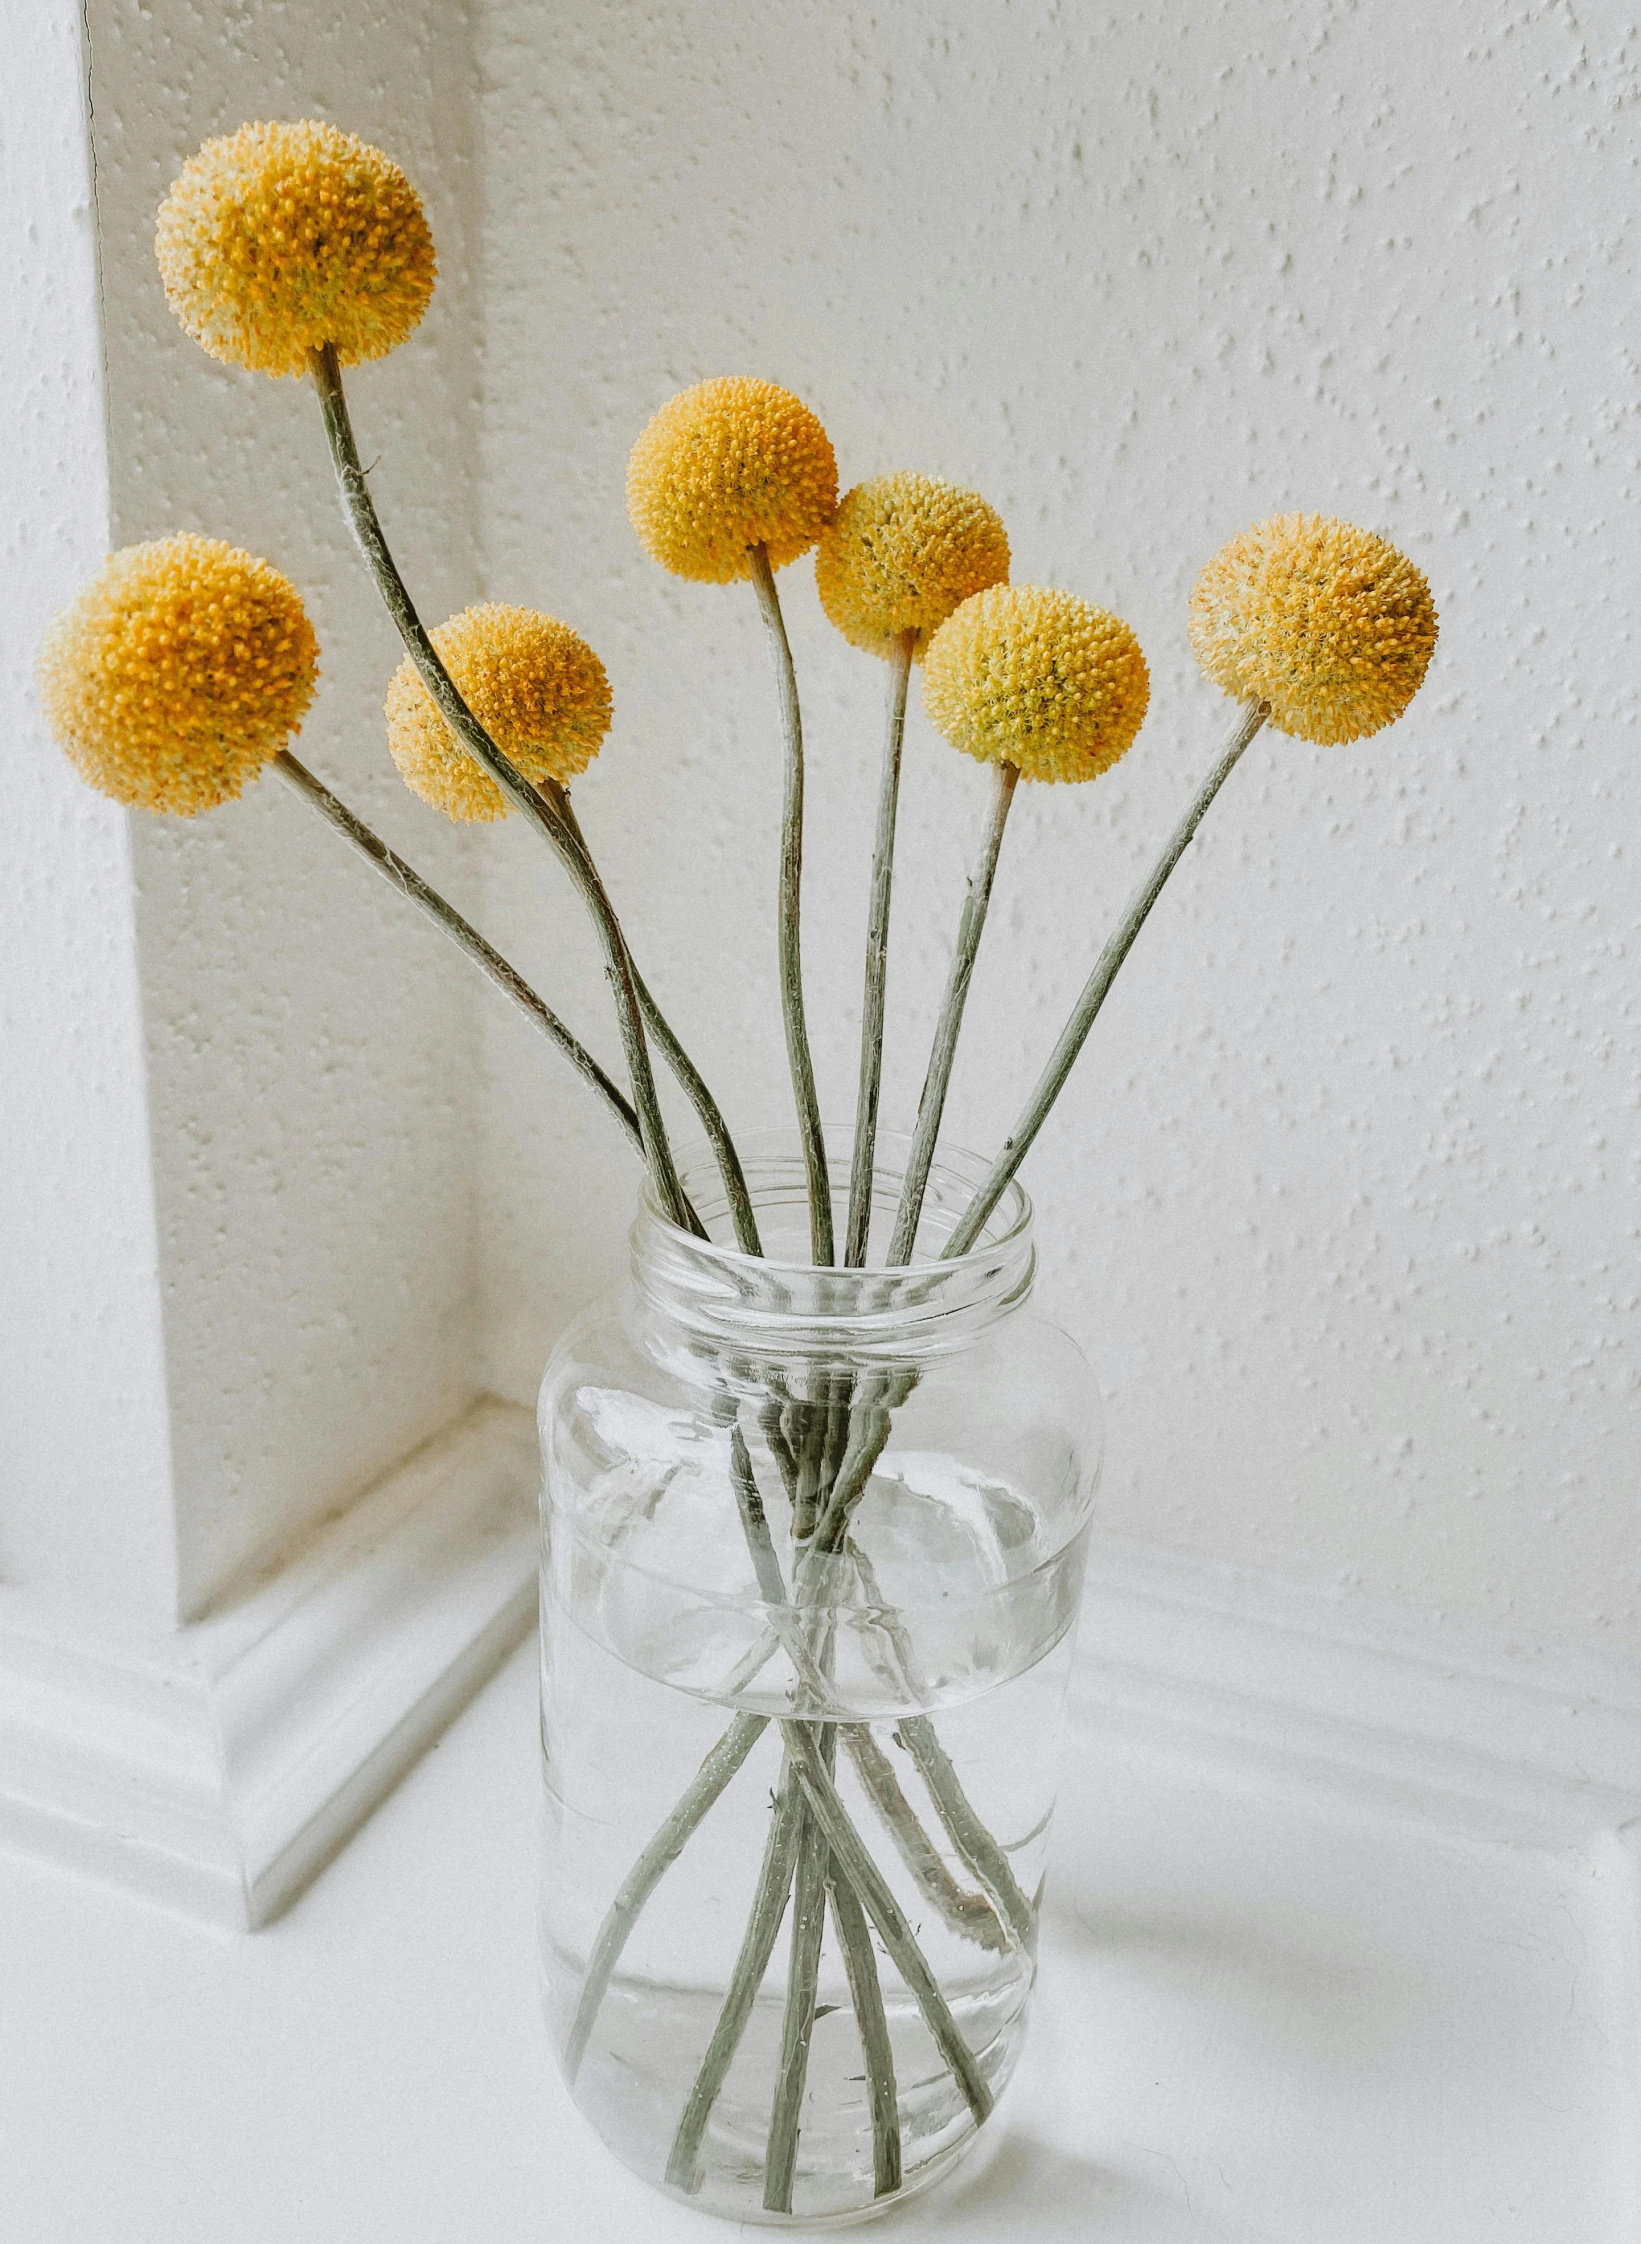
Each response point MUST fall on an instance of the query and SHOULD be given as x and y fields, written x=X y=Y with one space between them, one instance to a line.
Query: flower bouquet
x=818 y=1484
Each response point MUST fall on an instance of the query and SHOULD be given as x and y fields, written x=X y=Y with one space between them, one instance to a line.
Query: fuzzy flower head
x=535 y=685
x=177 y=672
x=1327 y=623
x=725 y=466
x=1038 y=679
x=280 y=238
x=901 y=553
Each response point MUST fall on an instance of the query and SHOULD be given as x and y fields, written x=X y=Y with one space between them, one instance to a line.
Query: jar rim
x=698 y=1171
x=716 y=1293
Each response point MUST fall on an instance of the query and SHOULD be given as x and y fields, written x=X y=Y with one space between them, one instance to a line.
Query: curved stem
x=857 y=1239
x=1072 y=1037
x=360 y=510
x=932 y=1105
x=466 y=937
x=798 y=1054
x=690 y=1081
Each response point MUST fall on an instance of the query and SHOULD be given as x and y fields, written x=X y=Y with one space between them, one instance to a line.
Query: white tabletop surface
x=1260 y=2018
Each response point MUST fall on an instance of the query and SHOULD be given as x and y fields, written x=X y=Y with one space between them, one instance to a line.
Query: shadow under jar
x=813 y=1553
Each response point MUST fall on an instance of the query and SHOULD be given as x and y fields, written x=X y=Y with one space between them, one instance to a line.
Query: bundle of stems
x=816 y=1865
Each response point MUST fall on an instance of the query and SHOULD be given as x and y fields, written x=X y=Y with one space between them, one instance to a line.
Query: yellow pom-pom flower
x=725 y=466
x=901 y=553
x=177 y=672
x=535 y=685
x=279 y=238
x=1328 y=624
x=1038 y=679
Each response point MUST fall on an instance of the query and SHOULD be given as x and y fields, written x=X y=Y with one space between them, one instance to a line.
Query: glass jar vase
x=813 y=1553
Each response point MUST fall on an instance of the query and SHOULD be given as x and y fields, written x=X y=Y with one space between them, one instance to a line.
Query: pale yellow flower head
x=177 y=672
x=280 y=238
x=725 y=466
x=1327 y=623
x=902 y=552
x=535 y=685
x=1037 y=679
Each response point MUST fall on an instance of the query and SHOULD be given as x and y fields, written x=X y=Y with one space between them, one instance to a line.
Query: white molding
x=218 y=1769
x=1418 y=1714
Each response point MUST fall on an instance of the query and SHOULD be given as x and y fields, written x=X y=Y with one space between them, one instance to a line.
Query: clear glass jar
x=813 y=1553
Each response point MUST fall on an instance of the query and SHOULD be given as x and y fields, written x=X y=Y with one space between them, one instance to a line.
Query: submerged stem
x=646 y=1873
x=874 y=998
x=790 y=942
x=1072 y=1037
x=449 y=921
x=932 y=1105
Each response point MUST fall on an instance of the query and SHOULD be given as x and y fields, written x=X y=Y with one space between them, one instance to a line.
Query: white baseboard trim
x=217 y=1770
x=1422 y=1715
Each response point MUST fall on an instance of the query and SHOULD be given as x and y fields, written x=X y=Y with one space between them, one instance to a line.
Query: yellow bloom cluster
x=280 y=238
x=901 y=554
x=1327 y=623
x=177 y=672
x=725 y=466
x=533 y=683
x=1037 y=679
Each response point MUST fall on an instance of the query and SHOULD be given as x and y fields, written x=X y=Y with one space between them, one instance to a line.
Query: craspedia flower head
x=177 y=672
x=725 y=466
x=533 y=683
x=901 y=553
x=1328 y=624
x=279 y=238
x=1037 y=679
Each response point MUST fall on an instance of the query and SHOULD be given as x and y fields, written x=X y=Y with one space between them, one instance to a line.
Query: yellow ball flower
x=279 y=238
x=533 y=683
x=177 y=672
x=1037 y=679
x=1327 y=623
x=902 y=552
x=725 y=466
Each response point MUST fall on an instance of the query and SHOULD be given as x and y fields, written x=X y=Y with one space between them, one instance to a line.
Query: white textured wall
x=84 y=1458
x=1343 y=1200
x=309 y=1045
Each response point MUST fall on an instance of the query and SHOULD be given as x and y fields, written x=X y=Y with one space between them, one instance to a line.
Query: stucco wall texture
x=309 y=1045
x=1343 y=1200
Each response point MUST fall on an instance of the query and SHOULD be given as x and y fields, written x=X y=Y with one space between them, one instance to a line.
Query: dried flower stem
x=757 y=1946
x=866 y=1992
x=932 y=1105
x=688 y=1076
x=449 y=922
x=879 y=1903
x=1072 y=1037
x=857 y=1239
x=798 y=1054
x=802 y=1993
x=970 y=1915
x=646 y=1873
x=360 y=510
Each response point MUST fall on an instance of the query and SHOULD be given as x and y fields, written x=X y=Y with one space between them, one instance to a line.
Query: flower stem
x=798 y=1054
x=858 y=1236
x=1064 y=1056
x=872 y=1888
x=866 y=1993
x=802 y=1989
x=970 y=1915
x=932 y=1105
x=757 y=1946
x=449 y=921
x=689 y=1078
x=360 y=510
x=984 y=1857
x=646 y=1873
